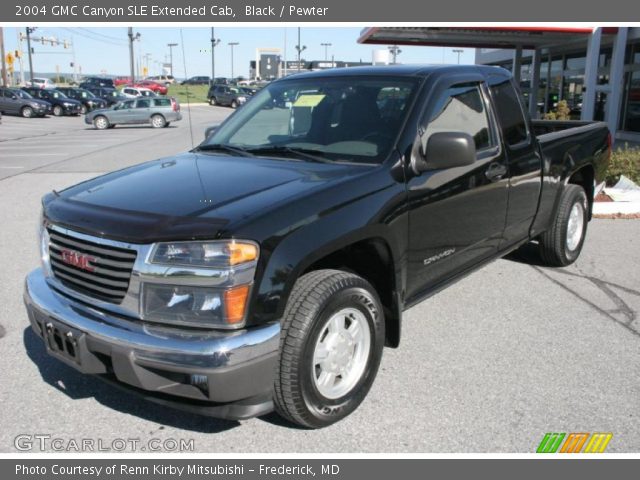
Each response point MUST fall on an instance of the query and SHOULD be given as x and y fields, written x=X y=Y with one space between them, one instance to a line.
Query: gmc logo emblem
x=78 y=260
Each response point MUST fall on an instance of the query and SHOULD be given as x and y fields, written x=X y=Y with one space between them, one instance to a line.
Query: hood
x=191 y=196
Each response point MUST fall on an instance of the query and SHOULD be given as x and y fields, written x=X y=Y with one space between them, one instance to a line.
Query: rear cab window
x=510 y=114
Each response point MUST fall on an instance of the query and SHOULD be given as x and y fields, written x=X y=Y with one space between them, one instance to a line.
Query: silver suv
x=158 y=112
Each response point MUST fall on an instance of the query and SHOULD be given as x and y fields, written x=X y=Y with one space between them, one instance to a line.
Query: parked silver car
x=158 y=112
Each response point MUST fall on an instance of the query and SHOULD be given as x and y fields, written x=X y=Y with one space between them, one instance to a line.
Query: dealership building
x=597 y=71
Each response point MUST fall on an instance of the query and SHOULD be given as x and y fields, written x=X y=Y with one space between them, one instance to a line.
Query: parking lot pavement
x=489 y=365
x=67 y=144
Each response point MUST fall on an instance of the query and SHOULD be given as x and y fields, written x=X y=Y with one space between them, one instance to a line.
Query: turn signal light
x=235 y=303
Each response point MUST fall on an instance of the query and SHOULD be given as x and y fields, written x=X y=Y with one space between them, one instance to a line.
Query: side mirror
x=210 y=131
x=448 y=150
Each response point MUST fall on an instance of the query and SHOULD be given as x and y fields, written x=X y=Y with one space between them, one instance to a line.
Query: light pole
x=132 y=37
x=232 y=44
x=214 y=43
x=300 y=49
x=395 y=51
x=326 y=46
x=171 y=45
x=30 y=30
x=458 y=51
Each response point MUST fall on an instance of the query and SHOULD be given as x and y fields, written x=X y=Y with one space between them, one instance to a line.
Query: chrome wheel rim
x=57 y=111
x=101 y=123
x=27 y=112
x=575 y=226
x=157 y=122
x=341 y=353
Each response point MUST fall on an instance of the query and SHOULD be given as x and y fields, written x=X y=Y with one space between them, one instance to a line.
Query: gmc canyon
x=269 y=266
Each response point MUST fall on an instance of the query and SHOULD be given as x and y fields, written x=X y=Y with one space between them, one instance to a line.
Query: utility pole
x=300 y=49
x=29 y=32
x=171 y=45
x=4 y=65
x=326 y=46
x=232 y=44
x=214 y=43
x=458 y=51
x=395 y=51
x=132 y=67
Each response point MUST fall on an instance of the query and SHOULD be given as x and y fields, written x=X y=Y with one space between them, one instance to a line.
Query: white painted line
x=39 y=154
x=1 y=166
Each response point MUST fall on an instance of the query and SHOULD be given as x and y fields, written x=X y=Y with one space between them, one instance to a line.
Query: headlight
x=242 y=99
x=199 y=284
x=195 y=306
x=204 y=254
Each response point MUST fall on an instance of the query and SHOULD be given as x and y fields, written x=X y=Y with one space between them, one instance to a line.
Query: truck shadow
x=78 y=386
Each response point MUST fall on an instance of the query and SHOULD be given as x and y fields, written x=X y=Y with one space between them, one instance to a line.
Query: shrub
x=624 y=161
x=562 y=112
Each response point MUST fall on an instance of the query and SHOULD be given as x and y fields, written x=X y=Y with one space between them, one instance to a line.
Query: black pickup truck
x=269 y=266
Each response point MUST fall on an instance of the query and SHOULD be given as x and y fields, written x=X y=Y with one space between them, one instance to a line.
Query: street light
x=232 y=44
x=395 y=51
x=300 y=49
x=171 y=45
x=326 y=46
x=132 y=38
x=214 y=43
x=458 y=51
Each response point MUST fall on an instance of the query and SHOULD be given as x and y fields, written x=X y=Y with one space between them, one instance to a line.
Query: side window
x=146 y=103
x=510 y=115
x=162 y=102
x=128 y=104
x=461 y=109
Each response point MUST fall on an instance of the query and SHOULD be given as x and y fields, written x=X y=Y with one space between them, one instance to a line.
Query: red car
x=121 y=81
x=153 y=86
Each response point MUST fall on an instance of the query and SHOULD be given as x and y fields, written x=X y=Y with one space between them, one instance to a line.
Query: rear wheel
x=330 y=348
x=562 y=243
x=158 y=121
x=101 y=122
x=58 y=111
x=26 y=112
x=167 y=124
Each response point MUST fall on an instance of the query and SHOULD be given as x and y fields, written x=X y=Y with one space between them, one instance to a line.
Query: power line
x=95 y=39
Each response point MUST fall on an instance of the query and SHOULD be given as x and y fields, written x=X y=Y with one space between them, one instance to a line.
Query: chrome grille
x=95 y=269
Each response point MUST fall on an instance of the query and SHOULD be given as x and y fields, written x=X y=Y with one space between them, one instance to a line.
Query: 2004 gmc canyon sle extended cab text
x=269 y=266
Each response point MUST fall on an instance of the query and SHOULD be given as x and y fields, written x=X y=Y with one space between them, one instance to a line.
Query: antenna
x=186 y=86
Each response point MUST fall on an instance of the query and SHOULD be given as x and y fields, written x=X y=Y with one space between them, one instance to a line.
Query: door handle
x=495 y=172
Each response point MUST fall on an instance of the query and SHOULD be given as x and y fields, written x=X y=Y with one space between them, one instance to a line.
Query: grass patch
x=190 y=93
x=624 y=161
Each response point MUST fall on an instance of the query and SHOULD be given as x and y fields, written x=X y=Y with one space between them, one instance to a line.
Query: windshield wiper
x=304 y=153
x=225 y=148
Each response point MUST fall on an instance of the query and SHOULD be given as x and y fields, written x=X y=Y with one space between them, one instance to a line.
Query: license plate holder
x=62 y=341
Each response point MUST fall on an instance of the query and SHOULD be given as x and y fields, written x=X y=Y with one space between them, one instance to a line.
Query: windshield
x=85 y=94
x=352 y=119
x=57 y=94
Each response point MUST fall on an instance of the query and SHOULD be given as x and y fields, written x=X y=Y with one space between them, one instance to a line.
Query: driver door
x=456 y=215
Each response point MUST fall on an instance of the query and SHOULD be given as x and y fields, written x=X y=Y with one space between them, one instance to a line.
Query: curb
x=616 y=208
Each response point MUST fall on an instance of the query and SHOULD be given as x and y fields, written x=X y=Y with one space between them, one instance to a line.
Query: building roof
x=477 y=37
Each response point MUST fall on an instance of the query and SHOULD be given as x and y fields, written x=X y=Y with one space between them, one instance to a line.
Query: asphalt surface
x=488 y=365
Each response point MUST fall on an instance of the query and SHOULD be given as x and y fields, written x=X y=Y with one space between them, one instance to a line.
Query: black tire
x=315 y=298
x=27 y=112
x=167 y=124
x=58 y=111
x=158 y=121
x=554 y=248
x=101 y=122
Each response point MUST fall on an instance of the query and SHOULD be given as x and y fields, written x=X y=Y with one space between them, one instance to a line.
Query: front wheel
x=562 y=243
x=83 y=109
x=27 y=112
x=330 y=348
x=234 y=104
x=58 y=111
x=212 y=101
x=101 y=122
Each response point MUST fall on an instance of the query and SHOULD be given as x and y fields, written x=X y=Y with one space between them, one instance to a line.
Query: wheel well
x=584 y=178
x=370 y=259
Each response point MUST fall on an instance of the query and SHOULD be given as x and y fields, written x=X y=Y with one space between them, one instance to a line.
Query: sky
x=101 y=50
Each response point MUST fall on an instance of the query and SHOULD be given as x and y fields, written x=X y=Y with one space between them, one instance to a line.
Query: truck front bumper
x=221 y=374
